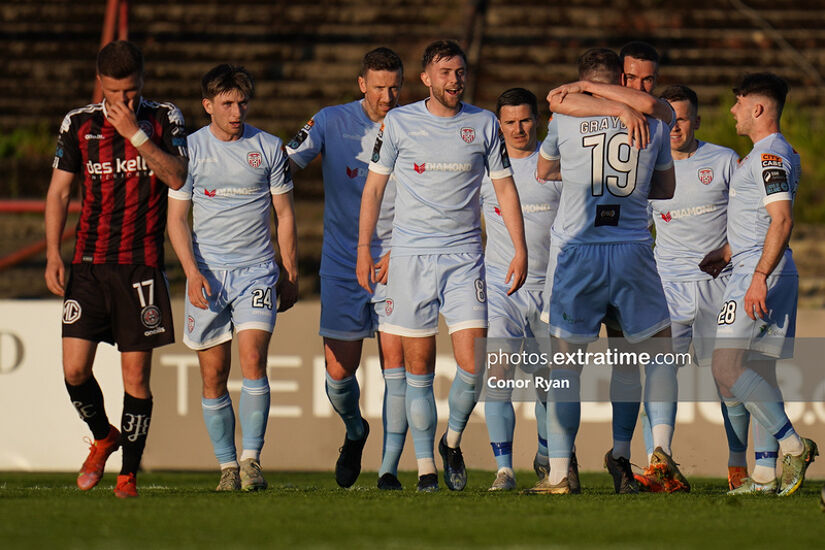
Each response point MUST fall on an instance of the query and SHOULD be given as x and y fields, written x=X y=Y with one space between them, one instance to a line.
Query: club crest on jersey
x=190 y=323
x=468 y=134
x=147 y=127
x=420 y=167
x=150 y=316
x=705 y=175
x=388 y=306
x=71 y=312
x=254 y=159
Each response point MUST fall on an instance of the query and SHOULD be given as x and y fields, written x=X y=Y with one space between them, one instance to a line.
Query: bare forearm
x=169 y=168
x=509 y=202
x=288 y=245
x=583 y=105
x=57 y=204
x=776 y=240
x=181 y=238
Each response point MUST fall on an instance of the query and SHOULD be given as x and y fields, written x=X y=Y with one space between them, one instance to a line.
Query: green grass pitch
x=307 y=510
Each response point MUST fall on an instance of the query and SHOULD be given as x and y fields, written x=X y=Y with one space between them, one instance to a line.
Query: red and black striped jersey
x=123 y=216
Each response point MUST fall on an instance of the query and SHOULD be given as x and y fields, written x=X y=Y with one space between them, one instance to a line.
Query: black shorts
x=123 y=304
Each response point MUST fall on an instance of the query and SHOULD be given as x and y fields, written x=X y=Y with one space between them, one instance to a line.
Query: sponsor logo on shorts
x=190 y=323
x=705 y=175
x=468 y=134
x=150 y=316
x=71 y=311
x=147 y=127
x=388 y=306
x=770 y=330
x=254 y=159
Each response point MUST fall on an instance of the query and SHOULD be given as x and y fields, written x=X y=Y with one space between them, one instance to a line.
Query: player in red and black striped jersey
x=128 y=151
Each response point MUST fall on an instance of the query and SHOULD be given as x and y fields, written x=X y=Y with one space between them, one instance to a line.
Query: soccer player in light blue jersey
x=688 y=226
x=237 y=174
x=640 y=63
x=439 y=149
x=517 y=316
x=757 y=321
x=600 y=262
x=344 y=136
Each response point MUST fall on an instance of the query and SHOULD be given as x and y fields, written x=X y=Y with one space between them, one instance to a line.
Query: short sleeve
x=498 y=162
x=280 y=179
x=67 y=156
x=174 y=132
x=550 y=146
x=308 y=142
x=385 y=150
x=774 y=174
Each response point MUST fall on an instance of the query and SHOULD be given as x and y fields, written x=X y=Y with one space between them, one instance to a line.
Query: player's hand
x=365 y=268
x=287 y=293
x=196 y=286
x=562 y=91
x=638 y=132
x=715 y=261
x=55 y=276
x=382 y=269
x=122 y=116
x=755 y=297
x=517 y=272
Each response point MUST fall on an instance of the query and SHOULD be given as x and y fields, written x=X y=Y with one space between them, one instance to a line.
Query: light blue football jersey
x=439 y=163
x=230 y=184
x=769 y=173
x=539 y=204
x=344 y=136
x=605 y=181
x=694 y=221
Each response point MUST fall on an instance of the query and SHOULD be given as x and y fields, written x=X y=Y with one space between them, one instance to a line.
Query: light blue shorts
x=515 y=316
x=591 y=280
x=347 y=311
x=242 y=298
x=421 y=287
x=773 y=336
x=694 y=307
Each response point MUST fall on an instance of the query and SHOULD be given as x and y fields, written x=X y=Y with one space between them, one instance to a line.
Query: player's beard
x=447 y=100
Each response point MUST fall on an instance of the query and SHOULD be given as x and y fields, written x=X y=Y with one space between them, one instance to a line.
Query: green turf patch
x=180 y=510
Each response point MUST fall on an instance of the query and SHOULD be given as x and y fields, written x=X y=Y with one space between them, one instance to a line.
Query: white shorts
x=694 y=308
x=592 y=280
x=772 y=336
x=421 y=287
x=242 y=298
x=347 y=311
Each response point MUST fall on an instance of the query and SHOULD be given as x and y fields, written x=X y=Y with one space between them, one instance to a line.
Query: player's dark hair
x=515 y=97
x=226 y=77
x=600 y=64
x=381 y=59
x=680 y=92
x=119 y=59
x=639 y=50
x=765 y=84
x=442 y=49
